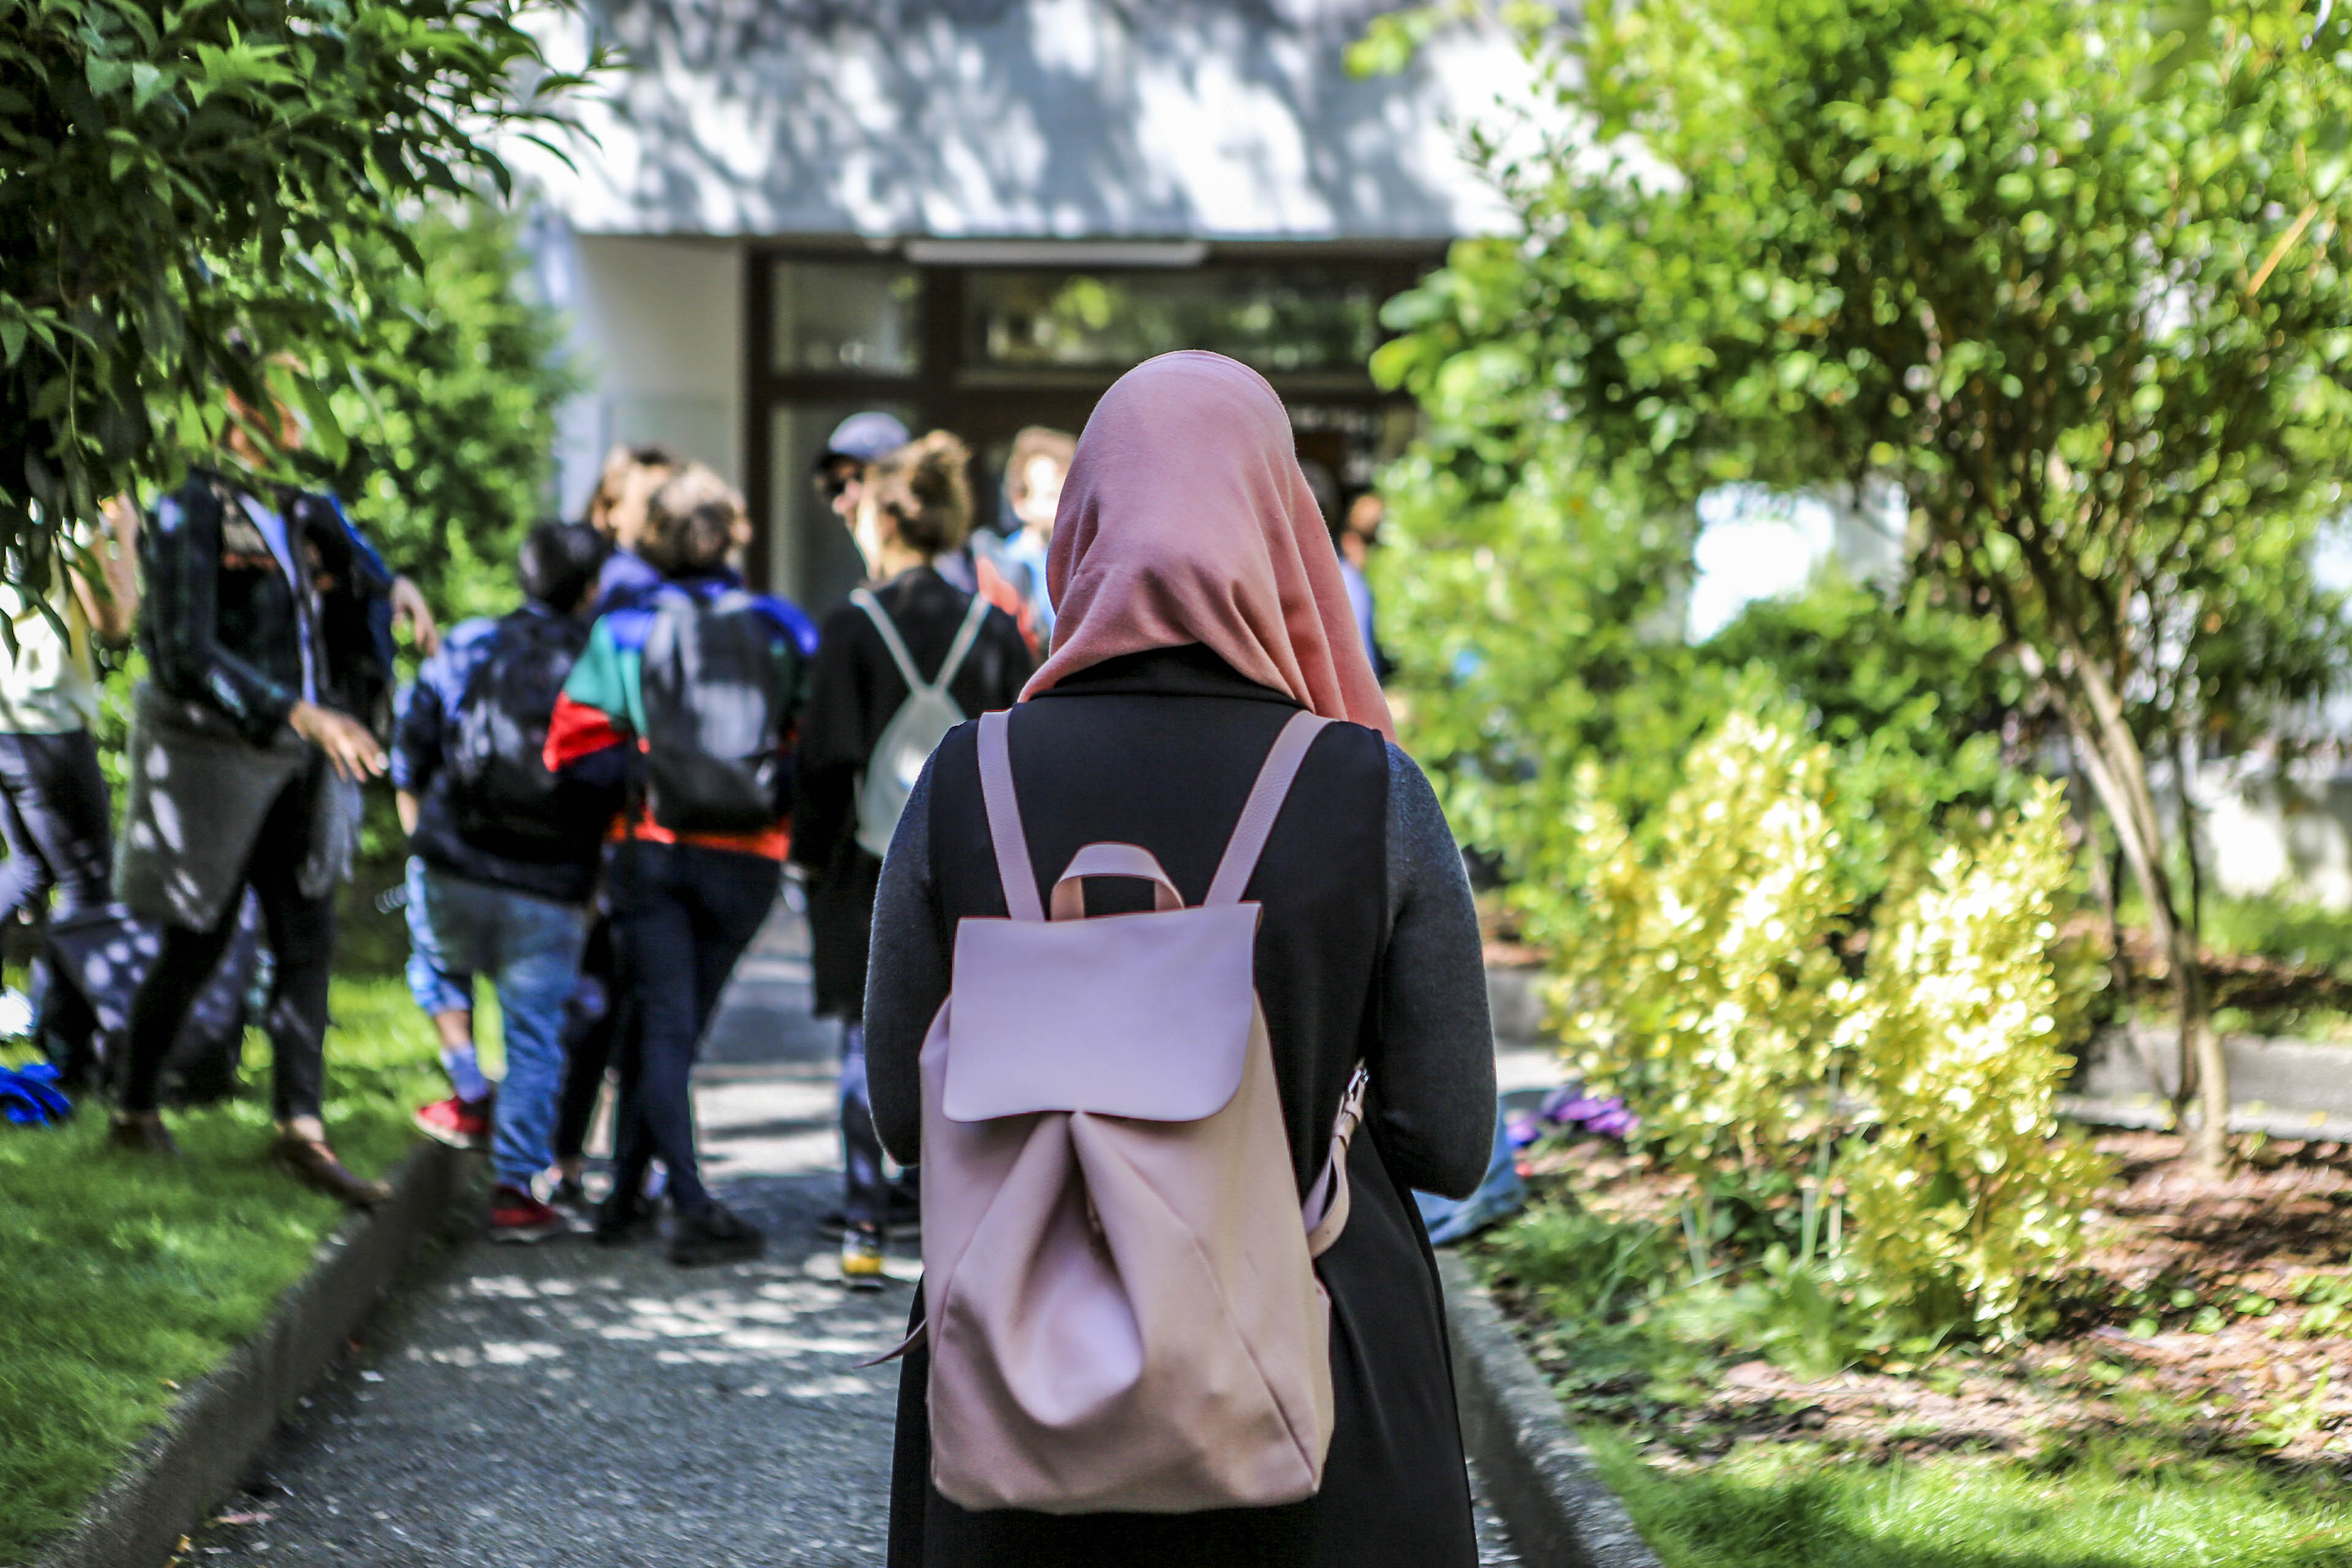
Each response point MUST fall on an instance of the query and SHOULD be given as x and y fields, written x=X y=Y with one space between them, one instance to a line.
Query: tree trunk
x=2110 y=753
x=2105 y=872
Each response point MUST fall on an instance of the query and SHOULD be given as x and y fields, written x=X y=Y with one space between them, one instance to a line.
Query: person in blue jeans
x=687 y=896
x=503 y=862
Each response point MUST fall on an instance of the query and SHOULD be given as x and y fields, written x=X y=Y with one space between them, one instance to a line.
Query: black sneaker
x=625 y=1217
x=712 y=1233
x=569 y=1193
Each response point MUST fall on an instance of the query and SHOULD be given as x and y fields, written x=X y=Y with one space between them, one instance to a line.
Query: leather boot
x=313 y=1163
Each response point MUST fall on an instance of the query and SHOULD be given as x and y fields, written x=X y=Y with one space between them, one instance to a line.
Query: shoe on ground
x=714 y=1234
x=516 y=1217
x=625 y=1217
x=569 y=1194
x=313 y=1162
x=459 y=1123
x=906 y=1218
x=861 y=1257
x=140 y=1132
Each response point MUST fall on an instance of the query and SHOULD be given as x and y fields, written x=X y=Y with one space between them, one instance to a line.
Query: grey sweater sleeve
x=1433 y=1068
x=906 y=978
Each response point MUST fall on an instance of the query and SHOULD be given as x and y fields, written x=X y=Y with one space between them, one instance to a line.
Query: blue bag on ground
x=29 y=1096
x=1500 y=1194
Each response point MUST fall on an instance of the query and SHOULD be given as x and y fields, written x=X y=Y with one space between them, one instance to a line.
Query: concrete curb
x=212 y=1435
x=1559 y=1512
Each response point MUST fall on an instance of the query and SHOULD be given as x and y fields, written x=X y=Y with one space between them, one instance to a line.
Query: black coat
x=222 y=626
x=855 y=690
x=1159 y=748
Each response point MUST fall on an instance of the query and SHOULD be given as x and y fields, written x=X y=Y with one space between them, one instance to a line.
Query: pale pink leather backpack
x=1123 y=1312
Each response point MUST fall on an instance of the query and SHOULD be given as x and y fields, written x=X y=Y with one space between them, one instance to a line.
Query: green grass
x=2296 y=932
x=2105 y=1505
x=121 y=1278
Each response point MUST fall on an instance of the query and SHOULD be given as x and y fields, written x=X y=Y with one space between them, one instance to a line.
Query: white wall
x=657 y=328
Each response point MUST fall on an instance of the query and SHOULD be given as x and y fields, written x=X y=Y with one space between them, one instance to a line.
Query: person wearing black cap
x=854 y=443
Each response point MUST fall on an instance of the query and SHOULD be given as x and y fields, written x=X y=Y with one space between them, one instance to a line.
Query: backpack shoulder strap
x=1005 y=829
x=891 y=637
x=966 y=634
x=1265 y=803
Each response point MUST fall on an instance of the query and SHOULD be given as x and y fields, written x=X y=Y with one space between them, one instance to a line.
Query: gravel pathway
x=567 y=1403
x=567 y=1406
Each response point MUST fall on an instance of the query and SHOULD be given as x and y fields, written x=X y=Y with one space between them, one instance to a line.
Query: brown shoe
x=313 y=1163
x=140 y=1132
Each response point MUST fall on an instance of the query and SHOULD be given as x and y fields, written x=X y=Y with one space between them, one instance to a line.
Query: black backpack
x=714 y=703
x=501 y=788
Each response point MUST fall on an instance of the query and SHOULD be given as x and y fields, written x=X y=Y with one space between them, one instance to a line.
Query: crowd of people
x=603 y=789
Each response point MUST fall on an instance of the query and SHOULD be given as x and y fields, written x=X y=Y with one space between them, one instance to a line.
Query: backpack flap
x=1145 y=1017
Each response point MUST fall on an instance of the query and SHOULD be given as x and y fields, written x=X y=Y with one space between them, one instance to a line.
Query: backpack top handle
x=1069 y=902
x=1241 y=851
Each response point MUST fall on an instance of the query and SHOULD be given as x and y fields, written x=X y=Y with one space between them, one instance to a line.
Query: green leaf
x=326 y=431
x=106 y=76
x=2331 y=159
x=147 y=81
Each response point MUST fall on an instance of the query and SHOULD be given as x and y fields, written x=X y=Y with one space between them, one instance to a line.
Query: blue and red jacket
x=603 y=702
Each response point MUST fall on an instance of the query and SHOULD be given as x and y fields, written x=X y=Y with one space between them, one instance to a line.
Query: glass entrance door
x=985 y=352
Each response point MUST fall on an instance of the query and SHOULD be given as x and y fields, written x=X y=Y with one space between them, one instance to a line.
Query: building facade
x=977 y=214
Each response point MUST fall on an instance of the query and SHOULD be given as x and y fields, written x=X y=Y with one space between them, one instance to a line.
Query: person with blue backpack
x=909 y=658
x=699 y=683
x=502 y=861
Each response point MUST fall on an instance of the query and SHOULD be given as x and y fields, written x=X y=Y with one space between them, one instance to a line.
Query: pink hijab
x=1185 y=518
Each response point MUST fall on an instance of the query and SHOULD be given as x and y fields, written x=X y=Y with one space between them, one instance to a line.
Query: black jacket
x=220 y=622
x=855 y=690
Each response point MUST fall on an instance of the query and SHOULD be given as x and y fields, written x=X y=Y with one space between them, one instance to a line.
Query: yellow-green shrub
x=1699 y=982
x=1701 y=979
x=1968 y=1189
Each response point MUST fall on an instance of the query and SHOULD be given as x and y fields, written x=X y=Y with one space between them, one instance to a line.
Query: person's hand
x=351 y=749
x=408 y=604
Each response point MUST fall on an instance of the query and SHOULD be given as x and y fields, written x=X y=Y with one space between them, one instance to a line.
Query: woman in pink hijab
x=1200 y=610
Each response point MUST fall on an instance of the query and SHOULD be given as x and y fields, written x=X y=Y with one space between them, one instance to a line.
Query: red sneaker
x=460 y=1123
x=516 y=1217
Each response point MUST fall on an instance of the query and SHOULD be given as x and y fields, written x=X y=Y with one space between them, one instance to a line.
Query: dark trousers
x=57 y=819
x=59 y=825
x=684 y=915
x=600 y=1012
x=301 y=932
x=864 y=1190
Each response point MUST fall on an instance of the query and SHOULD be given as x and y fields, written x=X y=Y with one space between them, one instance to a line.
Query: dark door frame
x=944 y=395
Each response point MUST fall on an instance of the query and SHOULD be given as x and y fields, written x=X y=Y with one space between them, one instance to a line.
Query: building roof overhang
x=1082 y=120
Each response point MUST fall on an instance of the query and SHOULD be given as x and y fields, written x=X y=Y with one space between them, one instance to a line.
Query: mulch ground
x=2198 y=1317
